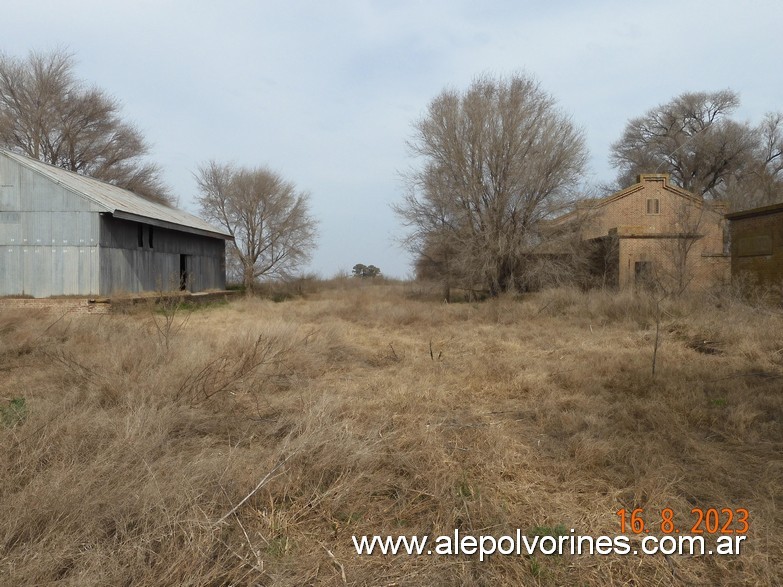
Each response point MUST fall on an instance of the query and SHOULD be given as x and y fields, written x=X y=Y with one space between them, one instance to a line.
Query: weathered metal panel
x=88 y=229
x=36 y=264
x=125 y=234
x=45 y=230
x=55 y=242
x=204 y=273
x=111 y=198
x=10 y=228
x=9 y=197
x=128 y=271
x=9 y=185
x=43 y=271
x=74 y=229
x=128 y=266
x=59 y=258
x=65 y=270
x=36 y=228
x=10 y=271
x=90 y=270
x=39 y=194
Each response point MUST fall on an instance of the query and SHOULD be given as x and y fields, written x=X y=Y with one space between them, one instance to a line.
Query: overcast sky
x=325 y=92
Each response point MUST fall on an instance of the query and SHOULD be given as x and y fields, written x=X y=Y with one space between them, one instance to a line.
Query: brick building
x=654 y=231
x=757 y=244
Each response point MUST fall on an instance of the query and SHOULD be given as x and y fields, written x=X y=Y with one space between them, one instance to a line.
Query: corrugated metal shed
x=119 y=202
x=66 y=234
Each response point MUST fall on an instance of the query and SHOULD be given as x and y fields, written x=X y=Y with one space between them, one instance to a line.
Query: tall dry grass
x=250 y=446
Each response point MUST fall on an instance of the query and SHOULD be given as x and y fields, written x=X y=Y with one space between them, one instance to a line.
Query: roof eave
x=170 y=225
x=762 y=211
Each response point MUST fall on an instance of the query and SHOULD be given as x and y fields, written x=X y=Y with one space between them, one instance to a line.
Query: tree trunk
x=447 y=291
x=248 y=279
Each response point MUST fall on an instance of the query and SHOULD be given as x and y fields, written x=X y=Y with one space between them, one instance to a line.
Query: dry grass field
x=128 y=449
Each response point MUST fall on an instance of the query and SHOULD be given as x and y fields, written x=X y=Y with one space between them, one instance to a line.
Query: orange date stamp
x=701 y=521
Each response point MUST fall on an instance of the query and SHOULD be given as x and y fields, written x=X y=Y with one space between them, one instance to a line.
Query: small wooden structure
x=757 y=244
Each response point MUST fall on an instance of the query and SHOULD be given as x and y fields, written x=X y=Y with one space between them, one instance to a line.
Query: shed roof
x=762 y=211
x=119 y=202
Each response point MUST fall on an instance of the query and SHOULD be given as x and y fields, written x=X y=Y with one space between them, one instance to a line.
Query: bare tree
x=762 y=184
x=268 y=217
x=691 y=137
x=497 y=160
x=694 y=139
x=678 y=266
x=50 y=115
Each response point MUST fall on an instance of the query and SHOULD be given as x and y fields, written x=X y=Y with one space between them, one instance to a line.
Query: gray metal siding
x=109 y=198
x=48 y=237
x=55 y=242
x=9 y=185
x=125 y=267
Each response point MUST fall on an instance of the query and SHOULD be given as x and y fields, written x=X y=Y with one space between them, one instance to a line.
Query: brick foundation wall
x=101 y=305
x=55 y=305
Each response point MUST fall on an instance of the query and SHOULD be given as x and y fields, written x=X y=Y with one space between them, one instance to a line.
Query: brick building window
x=653 y=206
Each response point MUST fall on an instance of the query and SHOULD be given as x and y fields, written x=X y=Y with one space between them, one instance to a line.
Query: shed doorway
x=184 y=276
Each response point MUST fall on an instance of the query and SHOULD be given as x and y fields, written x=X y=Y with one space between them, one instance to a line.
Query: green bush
x=14 y=413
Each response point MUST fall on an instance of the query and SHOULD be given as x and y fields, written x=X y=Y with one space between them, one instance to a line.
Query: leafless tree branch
x=48 y=114
x=270 y=220
x=497 y=159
